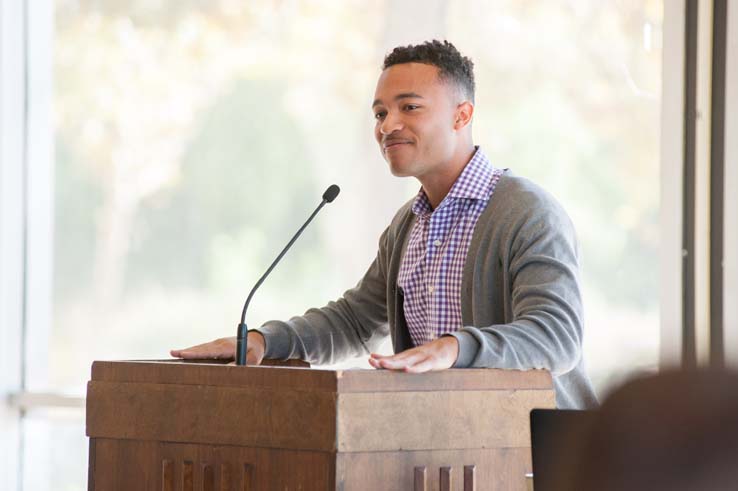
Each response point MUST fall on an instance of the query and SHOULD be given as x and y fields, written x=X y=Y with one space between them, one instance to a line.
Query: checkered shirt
x=433 y=265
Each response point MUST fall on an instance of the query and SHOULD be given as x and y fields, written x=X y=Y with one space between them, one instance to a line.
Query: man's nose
x=390 y=124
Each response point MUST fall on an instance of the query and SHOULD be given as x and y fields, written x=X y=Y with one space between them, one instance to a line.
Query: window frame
x=12 y=232
x=730 y=224
x=27 y=191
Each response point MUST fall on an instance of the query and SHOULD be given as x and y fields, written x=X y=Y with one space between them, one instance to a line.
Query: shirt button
x=430 y=289
x=437 y=242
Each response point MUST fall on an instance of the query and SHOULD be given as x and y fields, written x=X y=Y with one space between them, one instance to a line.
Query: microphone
x=242 y=336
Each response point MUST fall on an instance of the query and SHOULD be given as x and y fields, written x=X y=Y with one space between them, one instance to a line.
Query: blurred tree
x=182 y=125
x=244 y=169
x=77 y=195
x=570 y=98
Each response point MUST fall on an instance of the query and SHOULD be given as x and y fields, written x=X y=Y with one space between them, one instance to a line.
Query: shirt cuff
x=468 y=349
x=276 y=342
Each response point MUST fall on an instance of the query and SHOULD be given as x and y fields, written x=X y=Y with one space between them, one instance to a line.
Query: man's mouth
x=394 y=144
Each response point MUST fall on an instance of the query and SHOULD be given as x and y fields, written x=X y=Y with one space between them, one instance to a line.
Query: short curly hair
x=452 y=65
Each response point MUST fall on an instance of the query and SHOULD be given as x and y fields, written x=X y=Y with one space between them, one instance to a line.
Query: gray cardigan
x=521 y=305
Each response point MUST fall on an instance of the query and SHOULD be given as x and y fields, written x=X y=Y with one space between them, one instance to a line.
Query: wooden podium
x=178 y=426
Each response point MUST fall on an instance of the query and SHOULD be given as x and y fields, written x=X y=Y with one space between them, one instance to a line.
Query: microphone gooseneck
x=242 y=335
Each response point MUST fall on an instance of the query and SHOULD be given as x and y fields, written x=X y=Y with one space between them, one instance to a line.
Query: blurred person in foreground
x=480 y=269
x=677 y=431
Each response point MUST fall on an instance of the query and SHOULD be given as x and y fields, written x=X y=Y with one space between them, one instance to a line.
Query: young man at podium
x=480 y=269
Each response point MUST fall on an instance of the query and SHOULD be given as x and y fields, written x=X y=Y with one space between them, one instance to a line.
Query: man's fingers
x=425 y=365
x=187 y=353
x=404 y=355
x=214 y=349
x=181 y=353
x=402 y=360
x=194 y=354
x=435 y=355
x=396 y=356
x=377 y=361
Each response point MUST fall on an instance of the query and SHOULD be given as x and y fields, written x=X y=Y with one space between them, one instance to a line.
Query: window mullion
x=12 y=223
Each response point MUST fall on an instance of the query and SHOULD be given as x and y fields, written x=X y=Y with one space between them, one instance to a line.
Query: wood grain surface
x=128 y=465
x=360 y=380
x=427 y=420
x=219 y=415
x=501 y=469
x=177 y=426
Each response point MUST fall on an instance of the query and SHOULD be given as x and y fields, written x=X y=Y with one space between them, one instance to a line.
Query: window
x=191 y=139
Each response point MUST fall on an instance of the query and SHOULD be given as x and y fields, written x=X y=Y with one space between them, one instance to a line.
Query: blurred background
x=189 y=139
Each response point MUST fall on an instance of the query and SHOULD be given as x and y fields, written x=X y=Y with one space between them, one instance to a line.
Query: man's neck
x=438 y=183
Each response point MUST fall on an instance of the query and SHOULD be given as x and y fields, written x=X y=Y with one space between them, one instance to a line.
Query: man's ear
x=464 y=114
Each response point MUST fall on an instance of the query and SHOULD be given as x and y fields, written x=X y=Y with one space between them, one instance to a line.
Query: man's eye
x=411 y=107
x=379 y=115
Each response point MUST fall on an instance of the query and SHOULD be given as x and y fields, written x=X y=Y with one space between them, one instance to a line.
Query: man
x=479 y=270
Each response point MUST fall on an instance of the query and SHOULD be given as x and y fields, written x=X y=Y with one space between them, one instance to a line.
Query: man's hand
x=225 y=349
x=436 y=355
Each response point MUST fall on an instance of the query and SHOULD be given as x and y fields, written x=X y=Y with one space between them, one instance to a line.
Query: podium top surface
x=338 y=381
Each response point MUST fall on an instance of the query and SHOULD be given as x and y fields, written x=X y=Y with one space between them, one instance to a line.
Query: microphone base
x=242 y=344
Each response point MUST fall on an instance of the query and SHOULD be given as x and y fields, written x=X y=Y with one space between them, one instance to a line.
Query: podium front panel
x=172 y=425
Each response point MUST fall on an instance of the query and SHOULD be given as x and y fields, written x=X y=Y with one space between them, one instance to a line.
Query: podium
x=183 y=426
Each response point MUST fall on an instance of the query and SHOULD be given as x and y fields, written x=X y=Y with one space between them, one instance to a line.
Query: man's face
x=415 y=113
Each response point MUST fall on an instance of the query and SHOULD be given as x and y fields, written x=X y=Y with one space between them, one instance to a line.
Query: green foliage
x=77 y=197
x=245 y=174
x=575 y=108
x=584 y=167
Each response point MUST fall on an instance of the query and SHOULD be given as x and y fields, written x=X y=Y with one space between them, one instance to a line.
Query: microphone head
x=331 y=193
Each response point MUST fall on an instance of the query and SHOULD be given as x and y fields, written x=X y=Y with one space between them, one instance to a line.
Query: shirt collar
x=472 y=183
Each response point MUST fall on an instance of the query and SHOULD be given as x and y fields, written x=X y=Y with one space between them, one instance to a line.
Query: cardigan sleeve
x=351 y=326
x=539 y=250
